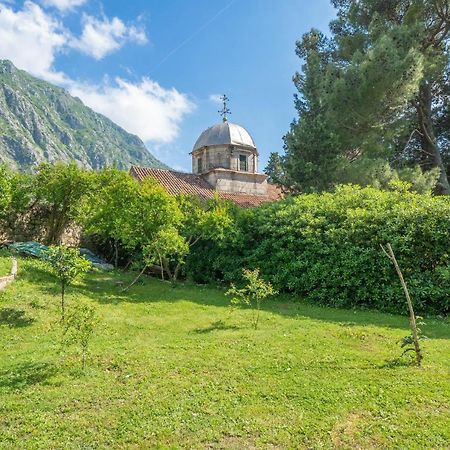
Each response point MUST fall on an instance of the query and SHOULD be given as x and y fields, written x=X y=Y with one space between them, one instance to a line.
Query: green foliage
x=380 y=174
x=374 y=91
x=106 y=211
x=312 y=150
x=252 y=294
x=66 y=264
x=168 y=246
x=79 y=327
x=153 y=209
x=5 y=189
x=60 y=188
x=109 y=208
x=203 y=219
x=275 y=170
x=326 y=247
x=130 y=213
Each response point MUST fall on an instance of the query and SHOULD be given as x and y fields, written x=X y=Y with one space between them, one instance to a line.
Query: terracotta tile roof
x=187 y=183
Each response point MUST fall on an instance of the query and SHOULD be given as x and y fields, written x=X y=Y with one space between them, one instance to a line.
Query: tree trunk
x=161 y=266
x=429 y=145
x=258 y=307
x=167 y=268
x=177 y=272
x=116 y=253
x=63 y=290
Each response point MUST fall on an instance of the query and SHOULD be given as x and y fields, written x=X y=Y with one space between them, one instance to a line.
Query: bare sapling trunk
x=258 y=307
x=63 y=291
x=412 y=317
x=161 y=265
x=135 y=280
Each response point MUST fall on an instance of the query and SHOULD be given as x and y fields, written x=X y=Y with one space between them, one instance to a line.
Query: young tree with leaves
x=80 y=327
x=66 y=264
x=110 y=206
x=60 y=188
x=167 y=247
x=252 y=294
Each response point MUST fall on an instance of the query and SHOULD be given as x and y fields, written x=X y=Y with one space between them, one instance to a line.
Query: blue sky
x=156 y=66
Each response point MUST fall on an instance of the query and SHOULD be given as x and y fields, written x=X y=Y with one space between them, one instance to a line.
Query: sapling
x=415 y=332
x=252 y=294
x=80 y=326
x=66 y=264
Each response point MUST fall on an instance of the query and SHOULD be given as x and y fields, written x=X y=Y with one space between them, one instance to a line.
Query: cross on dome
x=224 y=111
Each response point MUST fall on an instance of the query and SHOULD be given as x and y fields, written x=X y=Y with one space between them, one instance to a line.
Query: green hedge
x=326 y=247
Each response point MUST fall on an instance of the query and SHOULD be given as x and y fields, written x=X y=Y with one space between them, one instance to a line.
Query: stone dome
x=225 y=133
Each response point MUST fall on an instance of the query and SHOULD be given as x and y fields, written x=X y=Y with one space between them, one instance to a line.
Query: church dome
x=225 y=133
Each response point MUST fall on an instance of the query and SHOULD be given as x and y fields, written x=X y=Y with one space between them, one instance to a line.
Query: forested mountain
x=42 y=122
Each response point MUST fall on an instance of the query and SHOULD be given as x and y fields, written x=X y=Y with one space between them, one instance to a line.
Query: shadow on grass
x=103 y=288
x=25 y=375
x=107 y=288
x=14 y=318
x=218 y=325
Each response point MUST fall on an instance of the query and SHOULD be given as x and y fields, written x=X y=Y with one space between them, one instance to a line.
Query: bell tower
x=226 y=156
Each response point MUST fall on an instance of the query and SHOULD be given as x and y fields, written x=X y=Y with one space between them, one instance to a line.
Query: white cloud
x=216 y=98
x=64 y=5
x=31 y=39
x=101 y=37
x=145 y=108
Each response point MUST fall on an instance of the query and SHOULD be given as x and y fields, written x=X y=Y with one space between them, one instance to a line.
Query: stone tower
x=227 y=158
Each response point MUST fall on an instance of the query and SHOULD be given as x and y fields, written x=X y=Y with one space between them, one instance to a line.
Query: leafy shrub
x=327 y=247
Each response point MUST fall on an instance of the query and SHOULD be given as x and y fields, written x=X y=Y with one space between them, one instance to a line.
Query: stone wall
x=32 y=226
x=237 y=182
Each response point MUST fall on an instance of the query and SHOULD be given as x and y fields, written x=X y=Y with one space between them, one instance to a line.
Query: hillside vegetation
x=40 y=122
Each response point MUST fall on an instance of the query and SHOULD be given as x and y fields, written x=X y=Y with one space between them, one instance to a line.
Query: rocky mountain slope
x=42 y=122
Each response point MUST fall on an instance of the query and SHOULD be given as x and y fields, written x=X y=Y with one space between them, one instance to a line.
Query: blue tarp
x=40 y=251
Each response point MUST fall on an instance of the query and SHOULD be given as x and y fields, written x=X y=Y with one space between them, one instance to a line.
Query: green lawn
x=5 y=263
x=173 y=368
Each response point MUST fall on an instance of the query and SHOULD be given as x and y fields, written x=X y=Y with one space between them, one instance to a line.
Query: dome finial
x=224 y=111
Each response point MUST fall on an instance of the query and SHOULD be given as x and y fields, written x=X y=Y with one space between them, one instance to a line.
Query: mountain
x=42 y=122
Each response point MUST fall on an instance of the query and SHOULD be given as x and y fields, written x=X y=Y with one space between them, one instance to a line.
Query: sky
x=157 y=67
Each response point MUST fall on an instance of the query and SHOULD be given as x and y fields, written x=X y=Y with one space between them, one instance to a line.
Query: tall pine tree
x=382 y=82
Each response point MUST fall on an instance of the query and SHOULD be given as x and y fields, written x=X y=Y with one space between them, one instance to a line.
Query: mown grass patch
x=5 y=262
x=176 y=368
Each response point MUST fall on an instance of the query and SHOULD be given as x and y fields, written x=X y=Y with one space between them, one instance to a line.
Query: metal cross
x=224 y=111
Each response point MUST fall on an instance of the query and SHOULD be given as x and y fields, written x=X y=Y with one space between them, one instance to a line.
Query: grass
x=5 y=263
x=174 y=368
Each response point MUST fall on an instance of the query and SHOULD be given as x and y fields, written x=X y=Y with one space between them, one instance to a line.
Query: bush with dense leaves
x=326 y=247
